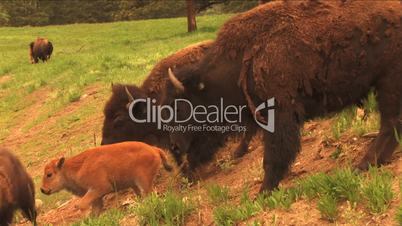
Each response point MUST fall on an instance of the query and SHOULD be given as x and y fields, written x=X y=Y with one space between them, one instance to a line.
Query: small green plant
x=109 y=218
x=225 y=164
x=169 y=209
x=343 y=121
x=336 y=153
x=340 y=184
x=74 y=96
x=229 y=214
x=218 y=194
x=327 y=205
x=281 y=198
x=370 y=104
x=377 y=189
x=226 y=215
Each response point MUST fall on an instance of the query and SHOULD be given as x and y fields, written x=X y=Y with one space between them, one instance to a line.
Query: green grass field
x=55 y=108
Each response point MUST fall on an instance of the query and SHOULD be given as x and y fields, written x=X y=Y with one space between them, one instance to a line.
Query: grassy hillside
x=55 y=108
x=41 y=104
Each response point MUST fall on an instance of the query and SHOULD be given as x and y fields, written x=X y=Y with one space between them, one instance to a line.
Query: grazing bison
x=103 y=170
x=41 y=49
x=314 y=58
x=118 y=126
x=17 y=190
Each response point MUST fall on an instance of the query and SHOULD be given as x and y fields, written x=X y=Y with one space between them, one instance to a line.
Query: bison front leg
x=281 y=148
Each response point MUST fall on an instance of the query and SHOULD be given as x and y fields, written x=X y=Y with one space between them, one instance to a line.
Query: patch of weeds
x=327 y=205
x=226 y=215
x=218 y=194
x=225 y=164
x=169 y=209
x=30 y=88
x=247 y=206
x=343 y=121
x=370 y=104
x=340 y=184
x=109 y=218
x=73 y=95
x=185 y=182
x=281 y=198
x=377 y=189
x=230 y=214
x=336 y=153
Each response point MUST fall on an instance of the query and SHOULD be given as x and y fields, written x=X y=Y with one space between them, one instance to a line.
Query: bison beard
x=314 y=57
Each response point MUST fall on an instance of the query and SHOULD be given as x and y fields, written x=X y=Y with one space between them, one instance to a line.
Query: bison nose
x=44 y=191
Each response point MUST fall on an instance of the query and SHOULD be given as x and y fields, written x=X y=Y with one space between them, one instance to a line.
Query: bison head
x=53 y=181
x=200 y=146
x=119 y=127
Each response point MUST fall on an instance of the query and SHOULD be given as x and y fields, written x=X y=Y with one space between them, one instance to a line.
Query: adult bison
x=41 y=49
x=314 y=58
x=17 y=190
x=118 y=126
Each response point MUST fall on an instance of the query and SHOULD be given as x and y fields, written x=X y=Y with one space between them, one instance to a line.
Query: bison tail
x=165 y=163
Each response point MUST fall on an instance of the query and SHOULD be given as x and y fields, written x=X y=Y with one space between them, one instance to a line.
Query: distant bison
x=103 y=170
x=41 y=49
x=118 y=126
x=17 y=190
x=313 y=58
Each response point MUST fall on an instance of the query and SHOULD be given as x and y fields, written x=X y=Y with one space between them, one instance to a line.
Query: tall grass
x=109 y=218
x=168 y=209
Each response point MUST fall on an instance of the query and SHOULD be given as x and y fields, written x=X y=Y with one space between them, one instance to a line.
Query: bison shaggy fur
x=314 y=58
x=17 y=190
x=40 y=49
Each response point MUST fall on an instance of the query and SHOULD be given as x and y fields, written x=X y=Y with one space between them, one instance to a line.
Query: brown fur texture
x=17 y=190
x=41 y=49
x=103 y=170
x=314 y=58
x=117 y=125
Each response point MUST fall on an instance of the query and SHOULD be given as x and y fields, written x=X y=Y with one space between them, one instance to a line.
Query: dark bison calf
x=41 y=49
x=16 y=189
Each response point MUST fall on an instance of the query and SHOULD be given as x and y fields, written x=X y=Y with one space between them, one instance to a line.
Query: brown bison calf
x=106 y=169
x=41 y=49
x=16 y=189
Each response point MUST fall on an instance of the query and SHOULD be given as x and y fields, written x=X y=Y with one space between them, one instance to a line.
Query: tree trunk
x=191 y=22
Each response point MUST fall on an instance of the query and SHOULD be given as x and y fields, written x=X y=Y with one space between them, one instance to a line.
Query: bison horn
x=175 y=81
x=201 y=86
x=130 y=97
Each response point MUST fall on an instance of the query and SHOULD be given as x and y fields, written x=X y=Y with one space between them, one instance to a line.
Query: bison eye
x=49 y=175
